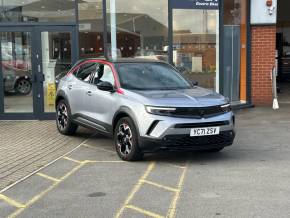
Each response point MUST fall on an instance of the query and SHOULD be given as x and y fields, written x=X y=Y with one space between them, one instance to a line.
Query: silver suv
x=147 y=106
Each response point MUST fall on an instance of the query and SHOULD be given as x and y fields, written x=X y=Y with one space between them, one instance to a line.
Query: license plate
x=205 y=131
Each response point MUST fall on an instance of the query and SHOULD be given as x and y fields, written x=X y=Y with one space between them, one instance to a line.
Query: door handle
x=70 y=87
x=89 y=93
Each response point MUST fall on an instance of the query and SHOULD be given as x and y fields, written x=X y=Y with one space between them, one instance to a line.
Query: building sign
x=196 y=4
x=262 y=14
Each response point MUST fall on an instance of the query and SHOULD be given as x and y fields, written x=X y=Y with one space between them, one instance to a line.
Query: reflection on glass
x=139 y=28
x=37 y=10
x=56 y=61
x=195 y=45
x=235 y=50
x=91 y=28
x=16 y=70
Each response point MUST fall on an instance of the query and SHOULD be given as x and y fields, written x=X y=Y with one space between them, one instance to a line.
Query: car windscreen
x=150 y=76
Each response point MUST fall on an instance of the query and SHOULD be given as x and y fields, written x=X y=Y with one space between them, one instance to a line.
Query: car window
x=104 y=74
x=85 y=71
x=150 y=76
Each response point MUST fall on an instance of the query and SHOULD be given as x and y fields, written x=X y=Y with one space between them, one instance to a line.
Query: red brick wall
x=263 y=59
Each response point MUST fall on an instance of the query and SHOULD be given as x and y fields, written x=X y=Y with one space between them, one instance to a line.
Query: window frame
x=112 y=72
x=77 y=68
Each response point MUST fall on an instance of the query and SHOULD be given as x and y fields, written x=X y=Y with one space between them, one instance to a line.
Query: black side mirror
x=194 y=83
x=106 y=86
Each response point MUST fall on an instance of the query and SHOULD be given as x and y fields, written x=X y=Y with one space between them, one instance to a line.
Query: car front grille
x=202 y=125
x=199 y=112
x=187 y=142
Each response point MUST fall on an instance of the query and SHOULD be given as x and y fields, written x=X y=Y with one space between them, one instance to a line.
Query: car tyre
x=23 y=86
x=126 y=140
x=63 y=119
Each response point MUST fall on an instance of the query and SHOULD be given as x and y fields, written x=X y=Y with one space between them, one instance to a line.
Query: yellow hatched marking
x=48 y=177
x=145 y=212
x=135 y=189
x=104 y=161
x=98 y=148
x=11 y=202
x=72 y=160
x=42 y=194
x=160 y=186
x=172 y=210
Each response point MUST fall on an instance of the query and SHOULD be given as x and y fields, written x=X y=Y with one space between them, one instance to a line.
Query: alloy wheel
x=124 y=139
x=62 y=116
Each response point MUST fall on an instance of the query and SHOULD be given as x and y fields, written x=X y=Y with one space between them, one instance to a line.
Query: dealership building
x=229 y=46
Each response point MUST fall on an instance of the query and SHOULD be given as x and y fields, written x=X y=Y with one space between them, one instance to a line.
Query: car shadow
x=178 y=157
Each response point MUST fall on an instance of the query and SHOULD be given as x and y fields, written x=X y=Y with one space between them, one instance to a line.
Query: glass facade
x=37 y=11
x=138 y=28
x=235 y=50
x=207 y=45
x=91 y=23
x=196 y=45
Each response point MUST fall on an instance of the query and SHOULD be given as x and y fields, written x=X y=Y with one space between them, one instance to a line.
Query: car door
x=101 y=104
x=76 y=86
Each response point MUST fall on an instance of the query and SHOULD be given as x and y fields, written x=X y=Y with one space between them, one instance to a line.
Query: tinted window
x=85 y=71
x=150 y=76
x=104 y=74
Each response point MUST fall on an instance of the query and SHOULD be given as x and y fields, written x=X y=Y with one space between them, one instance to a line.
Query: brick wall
x=263 y=59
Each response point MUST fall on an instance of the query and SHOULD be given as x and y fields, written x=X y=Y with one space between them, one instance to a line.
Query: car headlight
x=226 y=107
x=163 y=111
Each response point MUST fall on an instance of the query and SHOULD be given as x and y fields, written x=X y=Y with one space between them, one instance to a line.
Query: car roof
x=124 y=60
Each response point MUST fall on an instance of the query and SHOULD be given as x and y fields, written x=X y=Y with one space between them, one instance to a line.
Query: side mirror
x=106 y=86
x=194 y=83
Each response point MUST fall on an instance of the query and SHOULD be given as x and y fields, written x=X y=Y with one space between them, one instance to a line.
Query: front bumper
x=186 y=142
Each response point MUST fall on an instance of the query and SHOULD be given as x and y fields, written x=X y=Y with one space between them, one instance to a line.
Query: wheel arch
x=121 y=113
x=60 y=96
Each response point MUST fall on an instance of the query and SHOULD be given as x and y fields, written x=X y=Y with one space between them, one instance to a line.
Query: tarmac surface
x=249 y=179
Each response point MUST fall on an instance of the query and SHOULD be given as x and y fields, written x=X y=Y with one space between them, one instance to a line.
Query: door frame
x=37 y=87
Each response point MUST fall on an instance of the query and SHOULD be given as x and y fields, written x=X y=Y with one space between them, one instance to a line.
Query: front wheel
x=126 y=140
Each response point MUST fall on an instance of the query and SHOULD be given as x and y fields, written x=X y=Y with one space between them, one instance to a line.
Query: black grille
x=201 y=125
x=187 y=142
x=199 y=112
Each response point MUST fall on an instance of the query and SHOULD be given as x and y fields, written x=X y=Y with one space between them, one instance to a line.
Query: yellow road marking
x=160 y=186
x=48 y=177
x=145 y=212
x=98 y=148
x=104 y=161
x=39 y=196
x=72 y=160
x=11 y=202
x=135 y=189
x=172 y=210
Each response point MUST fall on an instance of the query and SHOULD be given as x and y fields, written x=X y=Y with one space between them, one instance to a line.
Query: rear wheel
x=63 y=119
x=126 y=140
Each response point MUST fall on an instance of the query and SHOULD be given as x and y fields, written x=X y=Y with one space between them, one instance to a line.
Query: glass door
x=56 y=54
x=17 y=85
x=33 y=60
x=195 y=40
